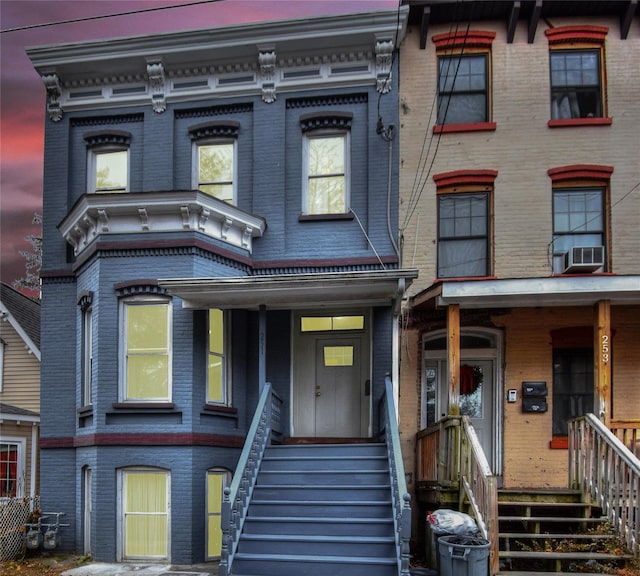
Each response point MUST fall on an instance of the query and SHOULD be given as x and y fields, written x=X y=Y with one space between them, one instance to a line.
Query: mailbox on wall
x=534 y=397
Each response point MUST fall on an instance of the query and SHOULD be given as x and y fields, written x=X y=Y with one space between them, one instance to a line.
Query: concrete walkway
x=103 y=569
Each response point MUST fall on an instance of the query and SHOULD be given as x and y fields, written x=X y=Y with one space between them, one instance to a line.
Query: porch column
x=453 y=357
x=602 y=360
x=262 y=346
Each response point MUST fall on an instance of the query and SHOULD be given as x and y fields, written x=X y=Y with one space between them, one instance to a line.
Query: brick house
x=519 y=205
x=220 y=212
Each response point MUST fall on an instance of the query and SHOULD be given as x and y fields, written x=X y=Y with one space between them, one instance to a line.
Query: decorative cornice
x=155 y=72
x=214 y=111
x=576 y=34
x=384 y=61
x=79 y=121
x=138 y=287
x=85 y=300
x=218 y=129
x=107 y=137
x=580 y=172
x=52 y=85
x=318 y=120
x=104 y=214
x=465 y=39
x=324 y=101
x=267 y=62
x=465 y=178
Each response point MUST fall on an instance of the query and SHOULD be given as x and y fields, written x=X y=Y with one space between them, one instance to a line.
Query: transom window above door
x=331 y=323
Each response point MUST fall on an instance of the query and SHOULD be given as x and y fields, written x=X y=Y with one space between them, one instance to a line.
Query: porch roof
x=293 y=291
x=528 y=292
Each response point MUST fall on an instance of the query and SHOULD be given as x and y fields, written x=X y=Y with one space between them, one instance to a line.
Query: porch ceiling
x=292 y=291
x=532 y=292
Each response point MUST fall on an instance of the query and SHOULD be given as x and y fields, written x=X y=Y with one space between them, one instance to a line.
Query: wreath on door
x=470 y=379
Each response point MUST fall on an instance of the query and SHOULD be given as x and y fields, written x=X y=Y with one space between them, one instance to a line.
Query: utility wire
x=89 y=18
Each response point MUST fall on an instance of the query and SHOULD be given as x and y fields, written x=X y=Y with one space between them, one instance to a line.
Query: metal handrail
x=607 y=473
x=400 y=497
x=237 y=495
x=480 y=485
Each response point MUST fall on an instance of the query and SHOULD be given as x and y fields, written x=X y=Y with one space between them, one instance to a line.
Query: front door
x=476 y=393
x=331 y=393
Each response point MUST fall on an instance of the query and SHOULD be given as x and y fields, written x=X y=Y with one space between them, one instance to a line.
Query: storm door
x=479 y=383
x=331 y=391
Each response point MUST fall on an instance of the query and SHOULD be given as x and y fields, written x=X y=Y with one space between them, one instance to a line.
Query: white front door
x=331 y=391
x=476 y=394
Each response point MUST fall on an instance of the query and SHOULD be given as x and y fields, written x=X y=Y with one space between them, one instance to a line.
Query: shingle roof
x=8 y=409
x=25 y=311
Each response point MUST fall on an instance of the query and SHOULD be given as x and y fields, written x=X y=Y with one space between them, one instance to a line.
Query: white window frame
x=21 y=474
x=144 y=301
x=92 y=160
x=226 y=364
x=226 y=481
x=316 y=134
x=195 y=163
x=121 y=523
x=87 y=356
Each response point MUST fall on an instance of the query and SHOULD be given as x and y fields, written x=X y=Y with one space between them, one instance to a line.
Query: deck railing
x=400 y=497
x=237 y=496
x=607 y=473
x=628 y=431
x=450 y=456
x=479 y=489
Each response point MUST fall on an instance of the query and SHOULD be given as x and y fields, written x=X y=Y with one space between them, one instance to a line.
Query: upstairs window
x=217 y=379
x=146 y=350
x=464 y=224
x=580 y=199
x=108 y=161
x=576 y=64
x=464 y=81
x=215 y=159
x=326 y=164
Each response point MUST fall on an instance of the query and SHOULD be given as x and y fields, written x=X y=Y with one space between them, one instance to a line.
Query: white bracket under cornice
x=384 y=62
x=157 y=85
x=143 y=213
x=52 y=85
x=267 y=61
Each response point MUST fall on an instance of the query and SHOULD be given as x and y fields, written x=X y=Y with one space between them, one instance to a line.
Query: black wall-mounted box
x=537 y=389
x=534 y=404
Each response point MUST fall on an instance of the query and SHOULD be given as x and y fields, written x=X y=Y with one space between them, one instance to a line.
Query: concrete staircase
x=553 y=532
x=320 y=510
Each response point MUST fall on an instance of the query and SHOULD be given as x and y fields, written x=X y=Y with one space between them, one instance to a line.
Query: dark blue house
x=220 y=237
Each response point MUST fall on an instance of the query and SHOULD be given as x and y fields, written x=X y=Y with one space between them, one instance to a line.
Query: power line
x=89 y=18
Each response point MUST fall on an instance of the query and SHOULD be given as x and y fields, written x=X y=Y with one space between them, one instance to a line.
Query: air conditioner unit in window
x=581 y=259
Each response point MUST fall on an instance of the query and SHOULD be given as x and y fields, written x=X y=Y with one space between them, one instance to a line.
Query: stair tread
x=328 y=457
x=581 y=536
x=322 y=502
x=560 y=555
x=319 y=538
x=545 y=504
x=315 y=558
x=325 y=520
x=552 y=519
x=315 y=487
x=530 y=573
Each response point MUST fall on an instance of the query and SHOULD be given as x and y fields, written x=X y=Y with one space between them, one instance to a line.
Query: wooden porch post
x=602 y=360
x=262 y=345
x=453 y=357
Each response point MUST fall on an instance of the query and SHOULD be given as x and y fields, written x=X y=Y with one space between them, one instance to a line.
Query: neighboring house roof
x=9 y=412
x=23 y=314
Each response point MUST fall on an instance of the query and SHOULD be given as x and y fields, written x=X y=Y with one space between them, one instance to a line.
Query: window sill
x=85 y=410
x=470 y=127
x=220 y=408
x=559 y=443
x=322 y=217
x=571 y=122
x=156 y=406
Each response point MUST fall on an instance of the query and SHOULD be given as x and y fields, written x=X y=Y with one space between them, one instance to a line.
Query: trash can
x=445 y=522
x=463 y=555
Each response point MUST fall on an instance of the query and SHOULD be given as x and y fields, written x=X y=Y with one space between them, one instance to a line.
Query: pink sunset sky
x=22 y=94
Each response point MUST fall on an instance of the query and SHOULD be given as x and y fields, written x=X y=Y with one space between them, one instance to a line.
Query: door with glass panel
x=145 y=505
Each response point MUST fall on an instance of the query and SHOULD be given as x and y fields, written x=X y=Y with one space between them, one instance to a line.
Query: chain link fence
x=14 y=514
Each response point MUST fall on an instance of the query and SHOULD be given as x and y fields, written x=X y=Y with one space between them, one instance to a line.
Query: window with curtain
x=217 y=480
x=326 y=173
x=463 y=235
x=217 y=384
x=462 y=89
x=87 y=356
x=578 y=220
x=145 y=512
x=147 y=351
x=576 y=90
x=9 y=479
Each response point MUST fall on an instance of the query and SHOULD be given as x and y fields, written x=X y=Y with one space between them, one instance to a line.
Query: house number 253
x=605 y=348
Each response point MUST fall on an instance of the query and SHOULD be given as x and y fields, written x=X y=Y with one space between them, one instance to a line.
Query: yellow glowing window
x=338 y=355
x=216 y=482
x=147 y=350
x=331 y=323
x=216 y=373
x=112 y=171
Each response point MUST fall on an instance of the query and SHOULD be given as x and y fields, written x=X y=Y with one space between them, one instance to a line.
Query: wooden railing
x=400 y=497
x=480 y=489
x=237 y=496
x=607 y=473
x=450 y=455
x=628 y=431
